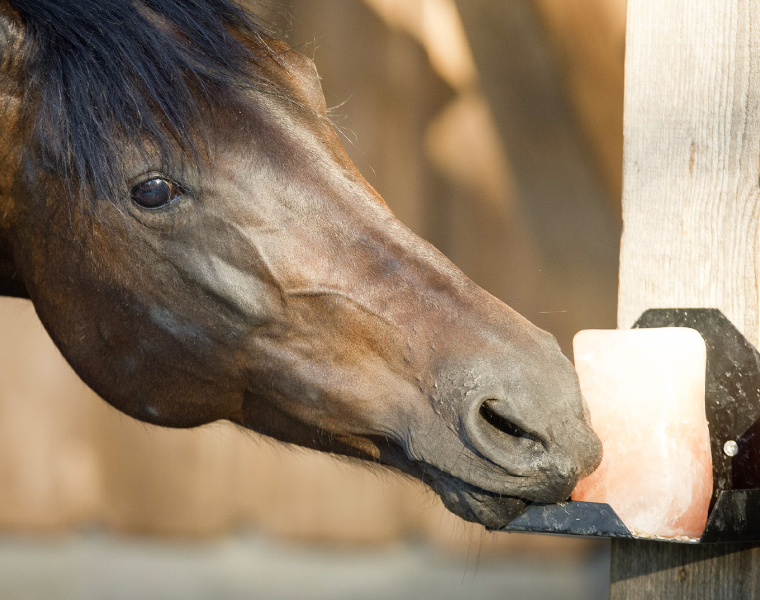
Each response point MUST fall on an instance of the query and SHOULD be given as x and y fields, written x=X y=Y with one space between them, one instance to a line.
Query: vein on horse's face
x=339 y=295
x=182 y=330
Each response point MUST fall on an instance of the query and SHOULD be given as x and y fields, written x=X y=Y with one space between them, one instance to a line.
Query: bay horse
x=177 y=205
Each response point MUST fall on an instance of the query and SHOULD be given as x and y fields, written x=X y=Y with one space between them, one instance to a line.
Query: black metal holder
x=732 y=404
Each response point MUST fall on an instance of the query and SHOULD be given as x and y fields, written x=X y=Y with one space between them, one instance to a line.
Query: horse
x=177 y=205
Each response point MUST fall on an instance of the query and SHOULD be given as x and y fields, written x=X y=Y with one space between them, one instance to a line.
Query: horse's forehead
x=11 y=28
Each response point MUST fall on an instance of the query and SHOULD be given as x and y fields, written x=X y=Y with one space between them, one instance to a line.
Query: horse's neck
x=11 y=282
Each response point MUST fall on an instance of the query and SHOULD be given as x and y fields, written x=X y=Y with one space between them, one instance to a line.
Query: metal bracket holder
x=732 y=405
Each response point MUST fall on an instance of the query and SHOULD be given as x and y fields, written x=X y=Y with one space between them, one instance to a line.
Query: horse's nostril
x=499 y=436
x=502 y=423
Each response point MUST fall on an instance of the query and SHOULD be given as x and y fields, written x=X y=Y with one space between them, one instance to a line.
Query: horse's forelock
x=11 y=43
x=102 y=73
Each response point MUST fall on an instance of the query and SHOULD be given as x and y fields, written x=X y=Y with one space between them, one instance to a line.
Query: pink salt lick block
x=645 y=389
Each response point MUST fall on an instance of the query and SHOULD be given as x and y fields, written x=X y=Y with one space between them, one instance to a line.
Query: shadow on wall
x=477 y=146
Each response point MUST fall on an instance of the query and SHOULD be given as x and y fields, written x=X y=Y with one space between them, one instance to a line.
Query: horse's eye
x=155 y=193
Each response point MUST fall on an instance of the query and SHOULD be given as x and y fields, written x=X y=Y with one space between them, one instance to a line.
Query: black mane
x=100 y=73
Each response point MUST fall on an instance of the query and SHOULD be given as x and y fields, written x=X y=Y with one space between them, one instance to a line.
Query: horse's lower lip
x=473 y=503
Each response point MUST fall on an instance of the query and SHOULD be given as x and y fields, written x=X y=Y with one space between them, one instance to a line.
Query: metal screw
x=731 y=448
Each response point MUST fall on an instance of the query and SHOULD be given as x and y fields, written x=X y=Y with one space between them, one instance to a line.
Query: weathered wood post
x=691 y=198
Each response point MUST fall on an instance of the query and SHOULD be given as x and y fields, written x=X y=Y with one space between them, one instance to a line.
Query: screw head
x=731 y=448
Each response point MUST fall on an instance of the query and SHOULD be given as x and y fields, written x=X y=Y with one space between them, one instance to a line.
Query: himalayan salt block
x=645 y=389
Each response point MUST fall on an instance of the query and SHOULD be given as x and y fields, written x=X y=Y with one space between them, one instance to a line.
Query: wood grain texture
x=690 y=213
x=649 y=570
x=692 y=141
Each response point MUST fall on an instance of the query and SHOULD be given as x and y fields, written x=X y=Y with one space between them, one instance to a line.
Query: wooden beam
x=560 y=193
x=692 y=142
x=659 y=570
x=589 y=40
x=690 y=210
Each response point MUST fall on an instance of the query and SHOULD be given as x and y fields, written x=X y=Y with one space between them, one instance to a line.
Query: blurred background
x=493 y=128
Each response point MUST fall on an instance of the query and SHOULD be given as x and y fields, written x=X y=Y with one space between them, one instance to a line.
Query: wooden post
x=556 y=186
x=690 y=210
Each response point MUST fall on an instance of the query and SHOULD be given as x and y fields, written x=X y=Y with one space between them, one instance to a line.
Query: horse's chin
x=490 y=510
x=471 y=503
x=466 y=500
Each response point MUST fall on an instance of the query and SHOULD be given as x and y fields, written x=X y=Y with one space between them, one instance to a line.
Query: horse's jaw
x=489 y=428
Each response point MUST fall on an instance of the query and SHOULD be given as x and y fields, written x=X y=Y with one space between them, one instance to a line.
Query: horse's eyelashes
x=155 y=193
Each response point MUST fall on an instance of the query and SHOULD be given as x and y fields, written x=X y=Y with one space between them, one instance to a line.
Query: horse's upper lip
x=474 y=469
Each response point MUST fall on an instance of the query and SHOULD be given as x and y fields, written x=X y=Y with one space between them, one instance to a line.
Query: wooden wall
x=692 y=207
x=440 y=123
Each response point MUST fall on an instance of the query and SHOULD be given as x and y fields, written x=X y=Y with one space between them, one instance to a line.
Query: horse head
x=177 y=205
